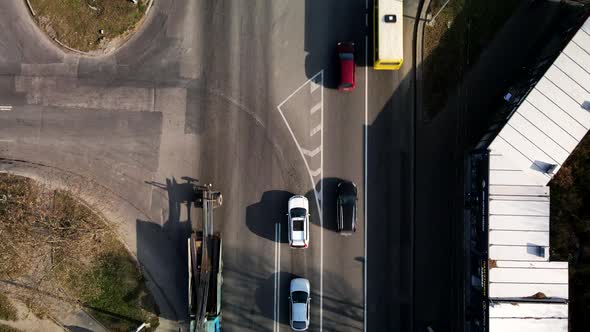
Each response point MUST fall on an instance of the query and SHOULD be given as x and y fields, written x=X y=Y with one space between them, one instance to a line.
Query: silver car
x=298 y=220
x=299 y=304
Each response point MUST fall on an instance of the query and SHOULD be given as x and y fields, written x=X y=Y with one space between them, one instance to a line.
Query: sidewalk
x=440 y=146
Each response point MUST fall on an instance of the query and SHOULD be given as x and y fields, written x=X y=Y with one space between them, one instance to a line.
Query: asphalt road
x=241 y=95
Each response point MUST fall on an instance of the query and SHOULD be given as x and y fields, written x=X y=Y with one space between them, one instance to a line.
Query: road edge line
x=365 y=178
x=322 y=208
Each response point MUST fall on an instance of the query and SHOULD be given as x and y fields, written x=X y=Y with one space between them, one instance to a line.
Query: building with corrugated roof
x=511 y=275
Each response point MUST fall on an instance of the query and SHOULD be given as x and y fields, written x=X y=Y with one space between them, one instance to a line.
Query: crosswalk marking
x=5 y=108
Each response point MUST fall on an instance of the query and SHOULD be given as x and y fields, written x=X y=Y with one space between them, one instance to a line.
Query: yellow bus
x=388 y=32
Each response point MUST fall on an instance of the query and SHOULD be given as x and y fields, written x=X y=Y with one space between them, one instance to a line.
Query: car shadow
x=270 y=210
x=265 y=293
x=328 y=203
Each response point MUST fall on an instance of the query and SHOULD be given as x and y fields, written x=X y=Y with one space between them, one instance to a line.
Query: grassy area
x=7 y=310
x=114 y=292
x=454 y=42
x=77 y=23
x=55 y=244
x=570 y=230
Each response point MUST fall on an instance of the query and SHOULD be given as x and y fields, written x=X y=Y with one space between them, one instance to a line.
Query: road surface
x=240 y=95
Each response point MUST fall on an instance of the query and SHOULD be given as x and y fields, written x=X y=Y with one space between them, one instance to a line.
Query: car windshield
x=298 y=325
x=347 y=200
x=346 y=56
x=297 y=213
x=299 y=297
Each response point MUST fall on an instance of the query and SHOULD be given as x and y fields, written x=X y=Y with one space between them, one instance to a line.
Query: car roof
x=299 y=312
x=347 y=70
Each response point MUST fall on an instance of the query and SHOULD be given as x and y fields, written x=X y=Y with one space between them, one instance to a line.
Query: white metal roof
x=521 y=316
x=391 y=34
x=531 y=147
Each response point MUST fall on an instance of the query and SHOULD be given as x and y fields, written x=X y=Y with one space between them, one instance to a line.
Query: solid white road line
x=276 y=283
x=312 y=174
x=6 y=141
x=365 y=178
x=322 y=214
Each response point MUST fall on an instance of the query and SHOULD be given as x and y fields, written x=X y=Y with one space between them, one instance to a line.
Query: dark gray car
x=346 y=207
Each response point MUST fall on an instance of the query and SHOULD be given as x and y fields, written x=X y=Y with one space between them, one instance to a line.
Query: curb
x=147 y=10
x=31 y=8
x=71 y=49
x=58 y=323
x=419 y=59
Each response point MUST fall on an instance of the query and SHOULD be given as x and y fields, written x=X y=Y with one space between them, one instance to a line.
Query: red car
x=347 y=67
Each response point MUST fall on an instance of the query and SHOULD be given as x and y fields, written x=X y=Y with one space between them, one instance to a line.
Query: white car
x=298 y=216
x=299 y=304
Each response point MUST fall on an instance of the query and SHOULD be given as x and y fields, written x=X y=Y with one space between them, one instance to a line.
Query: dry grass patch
x=6 y=328
x=52 y=247
x=77 y=23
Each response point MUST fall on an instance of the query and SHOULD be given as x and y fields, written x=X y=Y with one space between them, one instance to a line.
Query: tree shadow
x=271 y=209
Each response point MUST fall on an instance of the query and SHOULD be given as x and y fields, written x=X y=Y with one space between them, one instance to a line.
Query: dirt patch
x=53 y=249
x=26 y=320
x=570 y=229
x=7 y=309
x=89 y=25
